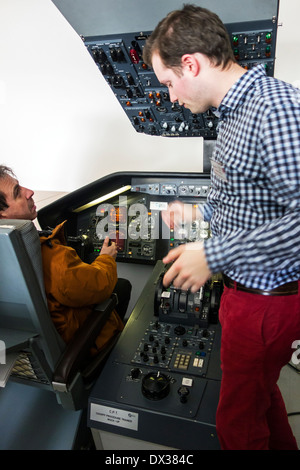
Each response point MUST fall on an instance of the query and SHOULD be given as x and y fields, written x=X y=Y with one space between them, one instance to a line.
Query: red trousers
x=257 y=336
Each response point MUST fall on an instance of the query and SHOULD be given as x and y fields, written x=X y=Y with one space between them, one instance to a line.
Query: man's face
x=183 y=88
x=19 y=200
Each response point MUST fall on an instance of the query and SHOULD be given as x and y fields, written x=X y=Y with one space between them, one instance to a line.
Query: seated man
x=72 y=286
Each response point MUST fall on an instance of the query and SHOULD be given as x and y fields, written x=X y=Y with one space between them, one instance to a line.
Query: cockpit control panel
x=133 y=219
x=146 y=102
x=164 y=372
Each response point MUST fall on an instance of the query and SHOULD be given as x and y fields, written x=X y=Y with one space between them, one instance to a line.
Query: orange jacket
x=73 y=287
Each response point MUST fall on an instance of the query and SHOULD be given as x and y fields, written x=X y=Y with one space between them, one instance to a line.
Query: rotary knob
x=155 y=386
x=183 y=393
x=179 y=330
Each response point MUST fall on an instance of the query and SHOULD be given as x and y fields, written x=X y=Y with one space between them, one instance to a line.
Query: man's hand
x=109 y=249
x=189 y=269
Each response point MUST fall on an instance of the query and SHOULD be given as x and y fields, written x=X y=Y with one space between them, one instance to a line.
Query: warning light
x=236 y=53
x=268 y=37
x=268 y=51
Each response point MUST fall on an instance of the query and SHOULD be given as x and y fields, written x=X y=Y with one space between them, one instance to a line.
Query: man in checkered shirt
x=254 y=211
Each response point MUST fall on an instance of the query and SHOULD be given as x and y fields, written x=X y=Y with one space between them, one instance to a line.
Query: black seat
x=42 y=358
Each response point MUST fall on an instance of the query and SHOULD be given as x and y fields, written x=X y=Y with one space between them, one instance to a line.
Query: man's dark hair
x=187 y=31
x=4 y=172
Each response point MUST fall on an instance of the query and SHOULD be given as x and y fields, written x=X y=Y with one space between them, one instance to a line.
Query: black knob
x=183 y=393
x=155 y=386
x=135 y=373
x=179 y=330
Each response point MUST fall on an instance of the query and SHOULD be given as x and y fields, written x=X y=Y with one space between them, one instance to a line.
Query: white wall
x=60 y=125
x=287 y=65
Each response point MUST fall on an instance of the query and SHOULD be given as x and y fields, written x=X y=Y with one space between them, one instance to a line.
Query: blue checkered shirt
x=254 y=202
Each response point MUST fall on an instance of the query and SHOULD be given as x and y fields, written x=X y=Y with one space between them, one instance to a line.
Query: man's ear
x=3 y=215
x=191 y=63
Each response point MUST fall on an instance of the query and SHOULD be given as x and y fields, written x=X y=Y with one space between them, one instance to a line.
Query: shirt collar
x=237 y=91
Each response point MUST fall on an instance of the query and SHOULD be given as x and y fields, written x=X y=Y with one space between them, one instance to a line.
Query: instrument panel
x=163 y=374
x=146 y=102
x=133 y=220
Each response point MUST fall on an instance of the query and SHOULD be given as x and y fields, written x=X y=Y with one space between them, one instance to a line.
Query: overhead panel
x=115 y=32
